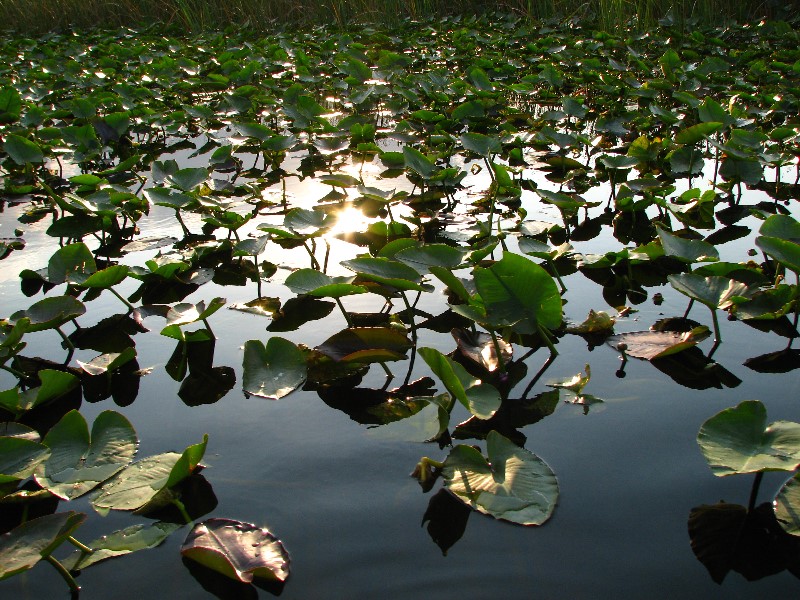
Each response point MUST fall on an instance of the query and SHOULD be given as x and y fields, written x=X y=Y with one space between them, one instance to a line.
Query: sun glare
x=348 y=220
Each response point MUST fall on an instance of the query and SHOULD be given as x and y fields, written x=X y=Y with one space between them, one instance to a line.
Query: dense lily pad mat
x=413 y=216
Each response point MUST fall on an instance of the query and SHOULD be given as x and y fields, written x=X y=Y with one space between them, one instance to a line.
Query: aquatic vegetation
x=461 y=191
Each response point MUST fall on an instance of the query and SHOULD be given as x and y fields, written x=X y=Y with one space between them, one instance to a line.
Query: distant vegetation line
x=192 y=15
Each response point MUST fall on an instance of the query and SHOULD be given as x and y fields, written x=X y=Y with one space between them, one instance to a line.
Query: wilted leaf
x=238 y=550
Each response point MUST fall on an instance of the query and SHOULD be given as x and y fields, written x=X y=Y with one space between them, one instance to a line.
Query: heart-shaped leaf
x=79 y=463
x=19 y=458
x=273 y=370
x=738 y=440
x=512 y=484
x=237 y=550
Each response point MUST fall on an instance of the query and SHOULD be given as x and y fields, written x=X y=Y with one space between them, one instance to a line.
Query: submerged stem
x=182 y=508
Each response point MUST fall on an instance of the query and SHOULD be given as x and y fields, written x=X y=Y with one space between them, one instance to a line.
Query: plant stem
x=122 y=299
x=344 y=312
x=543 y=333
x=182 y=508
x=80 y=546
x=62 y=570
x=497 y=351
x=751 y=504
x=717 y=335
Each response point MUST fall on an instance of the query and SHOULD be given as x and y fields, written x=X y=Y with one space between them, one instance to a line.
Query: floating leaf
x=273 y=370
x=787 y=506
x=50 y=313
x=19 y=458
x=22 y=151
x=689 y=251
x=79 y=463
x=108 y=362
x=715 y=292
x=27 y=544
x=238 y=550
x=366 y=345
x=122 y=542
x=784 y=251
x=54 y=385
x=656 y=344
x=513 y=484
x=320 y=285
x=738 y=440
x=575 y=384
x=145 y=484
x=480 y=348
x=519 y=293
x=599 y=322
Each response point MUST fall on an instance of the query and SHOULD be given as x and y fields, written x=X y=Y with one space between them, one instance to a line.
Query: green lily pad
x=145 y=484
x=388 y=272
x=50 y=313
x=273 y=370
x=54 y=385
x=320 y=285
x=519 y=293
x=714 y=291
x=27 y=544
x=422 y=258
x=22 y=151
x=19 y=458
x=689 y=251
x=787 y=506
x=122 y=542
x=738 y=440
x=785 y=252
x=78 y=463
x=512 y=484
x=237 y=550
x=106 y=363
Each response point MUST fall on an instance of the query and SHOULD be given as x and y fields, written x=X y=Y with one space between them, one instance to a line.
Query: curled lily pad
x=27 y=544
x=79 y=463
x=106 y=363
x=54 y=385
x=575 y=384
x=273 y=370
x=480 y=348
x=513 y=484
x=738 y=440
x=50 y=313
x=237 y=550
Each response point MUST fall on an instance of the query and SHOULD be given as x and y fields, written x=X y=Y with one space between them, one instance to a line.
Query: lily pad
x=145 y=484
x=320 y=285
x=19 y=458
x=78 y=463
x=715 y=292
x=237 y=550
x=27 y=544
x=787 y=506
x=513 y=484
x=366 y=345
x=273 y=370
x=648 y=345
x=122 y=542
x=738 y=440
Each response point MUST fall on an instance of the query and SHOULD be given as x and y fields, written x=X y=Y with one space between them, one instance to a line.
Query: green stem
x=751 y=505
x=497 y=351
x=545 y=335
x=80 y=546
x=717 y=335
x=122 y=299
x=182 y=508
x=389 y=373
x=13 y=371
x=208 y=327
x=344 y=312
x=62 y=570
